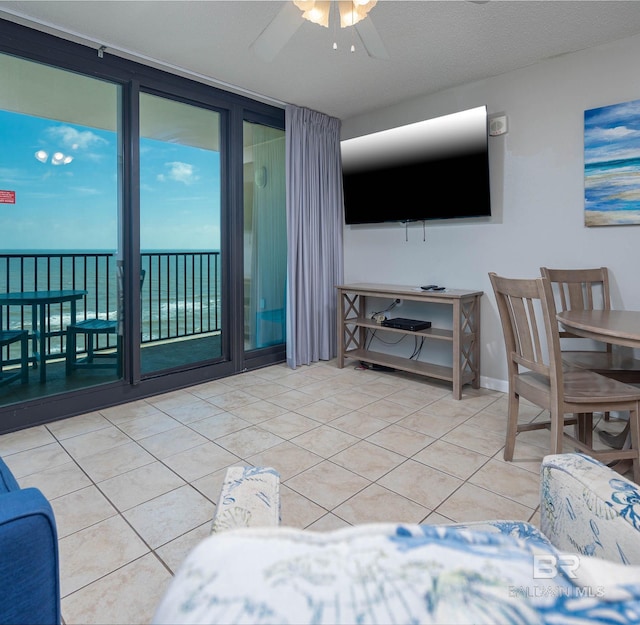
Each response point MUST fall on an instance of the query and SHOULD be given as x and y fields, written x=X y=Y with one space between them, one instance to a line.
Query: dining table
x=39 y=301
x=618 y=327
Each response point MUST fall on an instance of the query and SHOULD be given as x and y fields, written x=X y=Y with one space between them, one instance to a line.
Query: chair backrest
x=579 y=289
x=528 y=315
x=120 y=295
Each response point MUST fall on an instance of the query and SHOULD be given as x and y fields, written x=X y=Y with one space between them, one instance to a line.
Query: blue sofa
x=29 y=567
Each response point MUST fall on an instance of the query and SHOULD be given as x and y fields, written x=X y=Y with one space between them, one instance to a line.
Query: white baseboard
x=494 y=384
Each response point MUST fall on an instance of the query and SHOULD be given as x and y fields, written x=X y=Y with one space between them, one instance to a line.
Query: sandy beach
x=611 y=218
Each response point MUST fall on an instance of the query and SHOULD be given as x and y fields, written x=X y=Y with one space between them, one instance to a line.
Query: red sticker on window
x=7 y=197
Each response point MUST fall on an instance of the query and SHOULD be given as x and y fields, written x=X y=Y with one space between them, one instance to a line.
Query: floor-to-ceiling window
x=124 y=186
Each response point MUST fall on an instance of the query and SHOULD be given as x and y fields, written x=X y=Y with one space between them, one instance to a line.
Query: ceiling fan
x=353 y=13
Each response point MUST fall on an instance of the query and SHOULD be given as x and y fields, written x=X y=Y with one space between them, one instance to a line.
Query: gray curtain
x=314 y=234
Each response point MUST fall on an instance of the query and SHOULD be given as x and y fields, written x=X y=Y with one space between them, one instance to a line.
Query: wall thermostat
x=497 y=125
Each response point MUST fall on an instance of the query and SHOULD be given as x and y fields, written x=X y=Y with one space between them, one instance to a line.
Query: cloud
x=85 y=191
x=612 y=134
x=11 y=176
x=74 y=139
x=180 y=172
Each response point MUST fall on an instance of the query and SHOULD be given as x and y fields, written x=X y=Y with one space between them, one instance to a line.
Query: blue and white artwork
x=612 y=165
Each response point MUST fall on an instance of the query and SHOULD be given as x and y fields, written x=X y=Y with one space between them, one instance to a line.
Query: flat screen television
x=434 y=169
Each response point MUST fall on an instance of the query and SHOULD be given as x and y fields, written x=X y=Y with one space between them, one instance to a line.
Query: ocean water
x=180 y=293
x=612 y=185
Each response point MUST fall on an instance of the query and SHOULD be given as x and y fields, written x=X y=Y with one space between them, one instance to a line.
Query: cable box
x=401 y=323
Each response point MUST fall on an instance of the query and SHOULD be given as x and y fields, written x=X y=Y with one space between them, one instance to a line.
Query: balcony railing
x=179 y=295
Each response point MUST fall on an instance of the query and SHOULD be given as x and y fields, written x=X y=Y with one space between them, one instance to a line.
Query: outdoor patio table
x=39 y=301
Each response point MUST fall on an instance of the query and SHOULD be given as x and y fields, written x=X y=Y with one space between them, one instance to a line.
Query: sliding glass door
x=180 y=242
x=146 y=212
x=60 y=224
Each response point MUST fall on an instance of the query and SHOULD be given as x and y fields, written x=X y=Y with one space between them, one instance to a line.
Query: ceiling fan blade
x=274 y=37
x=371 y=39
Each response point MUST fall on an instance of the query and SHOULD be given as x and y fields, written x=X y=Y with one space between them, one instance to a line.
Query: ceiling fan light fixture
x=354 y=11
x=316 y=11
x=351 y=11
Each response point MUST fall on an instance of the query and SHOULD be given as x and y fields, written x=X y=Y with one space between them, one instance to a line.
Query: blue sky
x=612 y=132
x=65 y=181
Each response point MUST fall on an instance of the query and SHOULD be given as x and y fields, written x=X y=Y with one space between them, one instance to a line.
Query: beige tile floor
x=134 y=487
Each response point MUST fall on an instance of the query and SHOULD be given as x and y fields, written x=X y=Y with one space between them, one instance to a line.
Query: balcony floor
x=155 y=357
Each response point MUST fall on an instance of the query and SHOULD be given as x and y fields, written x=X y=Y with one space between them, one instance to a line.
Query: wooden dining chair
x=537 y=373
x=588 y=289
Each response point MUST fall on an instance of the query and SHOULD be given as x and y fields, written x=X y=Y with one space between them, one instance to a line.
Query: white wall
x=536 y=184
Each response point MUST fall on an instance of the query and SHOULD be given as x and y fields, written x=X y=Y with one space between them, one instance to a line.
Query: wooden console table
x=353 y=327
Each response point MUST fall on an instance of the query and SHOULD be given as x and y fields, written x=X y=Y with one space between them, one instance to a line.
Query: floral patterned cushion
x=589 y=509
x=250 y=497
x=516 y=529
x=494 y=572
x=389 y=573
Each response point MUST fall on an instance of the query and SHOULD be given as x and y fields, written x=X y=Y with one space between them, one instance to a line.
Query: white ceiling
x=432 y=44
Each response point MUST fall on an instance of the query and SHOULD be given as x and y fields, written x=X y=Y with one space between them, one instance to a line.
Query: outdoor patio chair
x=94 y=359
x=7 y=337
x=91 y=328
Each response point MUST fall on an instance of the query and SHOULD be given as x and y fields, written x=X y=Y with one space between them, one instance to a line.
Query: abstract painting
x=612 y=165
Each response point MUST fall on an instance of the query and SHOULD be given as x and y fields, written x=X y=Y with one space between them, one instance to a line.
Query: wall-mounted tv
x=434 y=169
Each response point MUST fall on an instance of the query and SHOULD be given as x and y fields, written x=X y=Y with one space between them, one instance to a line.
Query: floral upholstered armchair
x=583 y=567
